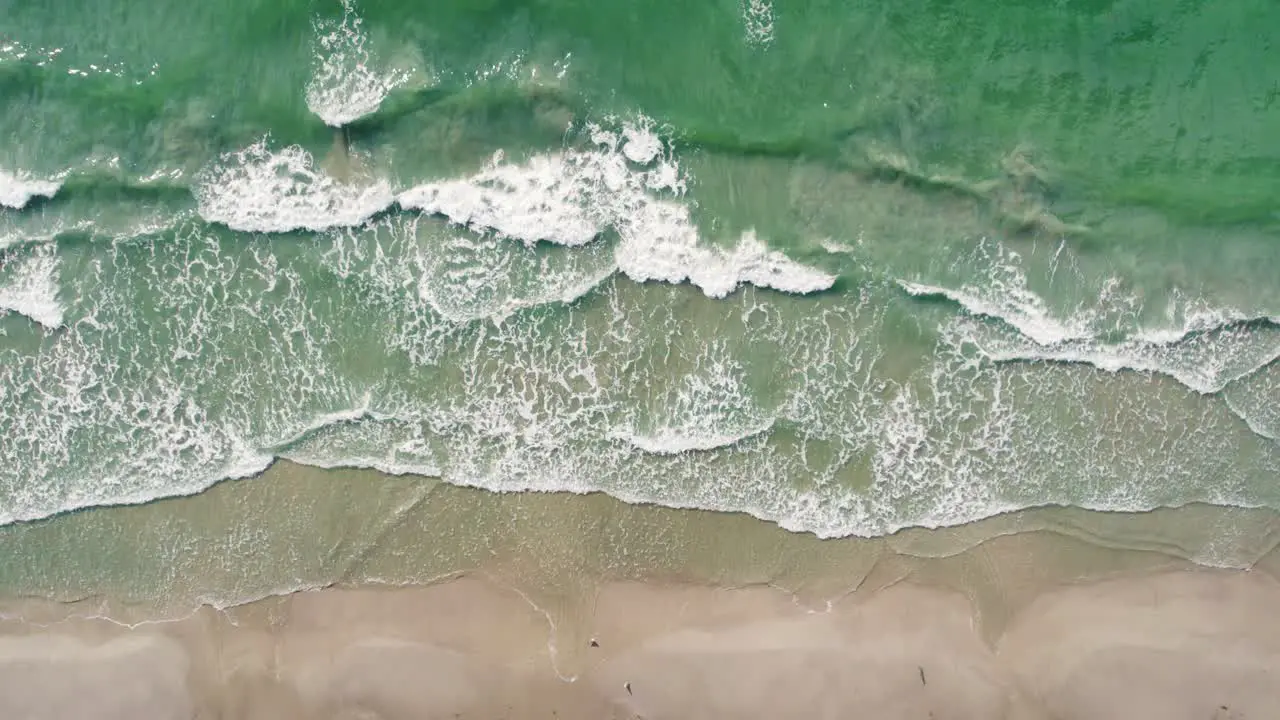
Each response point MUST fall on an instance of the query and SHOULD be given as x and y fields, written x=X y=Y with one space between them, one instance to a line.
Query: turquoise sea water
x=848 y=267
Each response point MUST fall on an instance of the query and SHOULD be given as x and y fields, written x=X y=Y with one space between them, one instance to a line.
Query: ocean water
x=846 y=267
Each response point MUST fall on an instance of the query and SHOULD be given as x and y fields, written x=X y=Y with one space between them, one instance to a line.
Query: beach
x=384 y=360
x=973 y=622
x=1165 y=645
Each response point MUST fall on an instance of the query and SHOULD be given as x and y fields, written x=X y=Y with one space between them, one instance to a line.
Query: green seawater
x=847 y=267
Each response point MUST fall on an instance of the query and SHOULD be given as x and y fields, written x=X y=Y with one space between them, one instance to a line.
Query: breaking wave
x=16 y=190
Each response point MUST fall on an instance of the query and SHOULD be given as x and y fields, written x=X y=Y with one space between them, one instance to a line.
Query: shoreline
x=295 y=527
x=440 y=601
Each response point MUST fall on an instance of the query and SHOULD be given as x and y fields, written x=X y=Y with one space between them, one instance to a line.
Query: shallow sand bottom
x=1194 y=644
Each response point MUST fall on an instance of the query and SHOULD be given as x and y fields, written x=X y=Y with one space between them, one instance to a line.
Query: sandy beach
x=1163 y=643
x=350 y=595
x=679 y=360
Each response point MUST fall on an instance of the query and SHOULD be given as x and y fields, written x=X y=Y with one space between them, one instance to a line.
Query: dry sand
x=1194 y=644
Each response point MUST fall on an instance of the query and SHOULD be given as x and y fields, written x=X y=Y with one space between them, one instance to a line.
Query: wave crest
x=617 y=183
x=1203 y=347
x=18 y=189
x=258 y=190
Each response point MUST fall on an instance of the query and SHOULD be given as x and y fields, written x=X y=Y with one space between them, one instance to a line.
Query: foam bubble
x=641 y=144
x=346 y=84
x=29 y=284
x=707 y=409
x=467 y=277
x=570 y=198
x=260 y=190
x=16 y=190
x=390 y=445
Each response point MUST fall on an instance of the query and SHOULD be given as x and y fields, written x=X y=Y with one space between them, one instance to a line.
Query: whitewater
x=608 y=295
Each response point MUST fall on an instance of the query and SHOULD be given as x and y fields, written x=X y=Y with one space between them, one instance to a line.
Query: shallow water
x=847 y=268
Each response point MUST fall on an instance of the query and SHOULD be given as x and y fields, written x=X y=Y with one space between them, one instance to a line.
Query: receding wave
x=675 y=441
x=1255 y=398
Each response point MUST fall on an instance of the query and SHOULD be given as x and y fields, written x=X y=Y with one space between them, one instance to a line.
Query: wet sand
x=443 y=602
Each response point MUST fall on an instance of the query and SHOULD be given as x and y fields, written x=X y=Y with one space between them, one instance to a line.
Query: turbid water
x=849 y=268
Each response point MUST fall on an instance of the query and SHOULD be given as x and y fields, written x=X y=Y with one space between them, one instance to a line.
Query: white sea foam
x=1201 y=346
x=1203 y=359
x=757 y=19
x=1185 y=317
x=1022 y=309
x=1002 y=292
x=640 y=144
x=625 y=182
x=28 y=508
x=465 y=277
x=51 y=57
x=348 y=83
x=29 y=284
x=706 y=409
x=260 y=190
x=551 y=198
x=671 y=441
x=16 y=190
x=666 y=248
x=398 y=460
